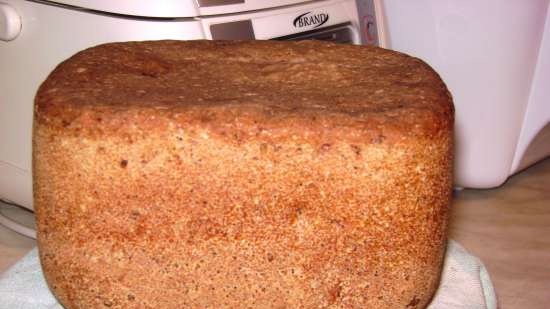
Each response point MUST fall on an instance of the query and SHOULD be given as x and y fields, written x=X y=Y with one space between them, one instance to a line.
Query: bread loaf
x=206 y=174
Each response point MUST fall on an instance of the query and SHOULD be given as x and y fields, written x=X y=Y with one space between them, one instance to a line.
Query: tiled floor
x=507 y=227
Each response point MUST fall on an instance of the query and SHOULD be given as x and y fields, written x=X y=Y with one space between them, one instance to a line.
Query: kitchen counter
x=508 y=228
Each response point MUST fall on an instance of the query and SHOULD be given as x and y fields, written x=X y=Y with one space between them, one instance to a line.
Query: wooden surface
x=508 y=228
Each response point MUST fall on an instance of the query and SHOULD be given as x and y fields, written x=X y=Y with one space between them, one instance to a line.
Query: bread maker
x=494 y=56
x=36 y=35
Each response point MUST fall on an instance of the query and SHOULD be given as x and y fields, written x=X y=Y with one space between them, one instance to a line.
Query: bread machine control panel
x=337 y=21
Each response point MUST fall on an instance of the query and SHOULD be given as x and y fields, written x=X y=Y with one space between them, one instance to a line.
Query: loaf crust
x=204 y=174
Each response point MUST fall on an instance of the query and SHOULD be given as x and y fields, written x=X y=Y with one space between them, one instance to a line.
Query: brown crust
x=372 y=92
x=207 y=174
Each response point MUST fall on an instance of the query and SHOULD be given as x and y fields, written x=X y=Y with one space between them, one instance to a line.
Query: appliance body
x=40 y=34
x=494 y=56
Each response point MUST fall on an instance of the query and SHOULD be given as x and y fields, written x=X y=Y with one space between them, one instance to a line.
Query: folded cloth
x=465 y=284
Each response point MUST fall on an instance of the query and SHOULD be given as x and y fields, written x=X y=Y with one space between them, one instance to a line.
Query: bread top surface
x=281 y=87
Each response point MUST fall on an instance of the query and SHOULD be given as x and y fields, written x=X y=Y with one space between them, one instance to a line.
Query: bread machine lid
x=175 y=8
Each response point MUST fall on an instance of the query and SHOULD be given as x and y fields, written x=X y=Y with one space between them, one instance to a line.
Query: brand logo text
x=309 y=19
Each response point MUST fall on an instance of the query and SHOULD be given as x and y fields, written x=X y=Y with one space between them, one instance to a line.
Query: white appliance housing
x=37 y=35
x=494 y=55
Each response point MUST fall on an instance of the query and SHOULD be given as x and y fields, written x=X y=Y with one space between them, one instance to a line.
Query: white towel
x=465 y=284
